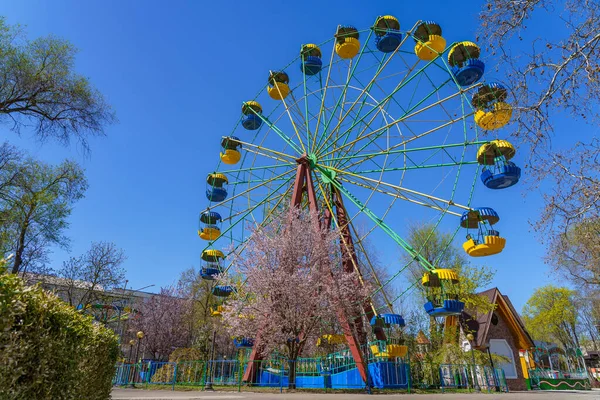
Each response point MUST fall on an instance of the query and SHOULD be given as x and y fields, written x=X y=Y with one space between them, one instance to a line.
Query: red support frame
x=353 y=330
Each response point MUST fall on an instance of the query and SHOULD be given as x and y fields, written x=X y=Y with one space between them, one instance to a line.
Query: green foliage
x=550 y=315
x=438 y=249
x=48 y=349
x=39 y=88
x=185 y=354
x=35 y=206
x=189 y=368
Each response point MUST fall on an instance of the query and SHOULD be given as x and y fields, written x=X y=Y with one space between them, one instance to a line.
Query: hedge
x=48 y=350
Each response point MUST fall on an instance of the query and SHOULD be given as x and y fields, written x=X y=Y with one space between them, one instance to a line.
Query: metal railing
x=337 y=371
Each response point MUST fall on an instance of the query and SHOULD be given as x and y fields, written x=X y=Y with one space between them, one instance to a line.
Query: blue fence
x=312 y=373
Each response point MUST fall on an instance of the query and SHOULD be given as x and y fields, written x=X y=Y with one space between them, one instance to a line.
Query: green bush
x=48 y=350
x=185 y=354
x=188 y=368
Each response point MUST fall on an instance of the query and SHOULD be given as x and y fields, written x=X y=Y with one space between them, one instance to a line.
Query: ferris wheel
x=368 y=127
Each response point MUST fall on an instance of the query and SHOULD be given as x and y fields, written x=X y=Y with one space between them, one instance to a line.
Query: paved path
x=139 y=394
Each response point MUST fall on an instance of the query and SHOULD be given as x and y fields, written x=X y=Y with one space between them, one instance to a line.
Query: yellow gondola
x=491 y=245
x=209 y=233
x=498 y=116
x=347 y=44
x=488 y=152
x=278 y=85
x=430 y=42
x=230 y=156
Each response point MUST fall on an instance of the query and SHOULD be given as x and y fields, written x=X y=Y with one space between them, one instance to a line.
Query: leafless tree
x=91 y=275
x=548 y=52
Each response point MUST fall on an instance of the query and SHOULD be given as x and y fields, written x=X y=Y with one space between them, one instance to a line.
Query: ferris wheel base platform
x=383 y=375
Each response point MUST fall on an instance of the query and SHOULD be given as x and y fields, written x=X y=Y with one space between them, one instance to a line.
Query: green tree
x=35 y=210
x=39 y=88
x=550 y=315
x=198 y=318
x=437 y=248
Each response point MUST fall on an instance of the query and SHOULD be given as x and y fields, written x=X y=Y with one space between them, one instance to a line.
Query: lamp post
x=131 y=344
x=140 y=336
x=493 y=368
x=208 y=384
x=471 y=339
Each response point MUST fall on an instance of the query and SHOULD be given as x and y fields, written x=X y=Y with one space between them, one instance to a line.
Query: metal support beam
x=353 y=331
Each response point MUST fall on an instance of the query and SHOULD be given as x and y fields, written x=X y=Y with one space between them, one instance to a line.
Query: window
x=494 y=319
x=501 y=347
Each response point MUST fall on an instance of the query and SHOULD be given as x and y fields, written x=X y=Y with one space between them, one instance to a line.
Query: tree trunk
x=292 y=374
x=20 y=249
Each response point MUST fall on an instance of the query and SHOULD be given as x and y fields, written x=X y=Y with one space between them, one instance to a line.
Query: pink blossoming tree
x=294 y=286
x=162 y=318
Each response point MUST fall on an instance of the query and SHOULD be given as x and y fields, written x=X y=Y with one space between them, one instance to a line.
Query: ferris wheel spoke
x=363 y=94
x=305 y=116
x=265 y=167
x=420 y=166
x=399 y=196
x=306 y=121
x=279 y=132
x=247 y=212
x=432 y=150
x=266 y=154
x=395 y=147
x=342 y=175
x=374 y=135
x=230 y=199
x=270 y=198
x=371 y=267
x=385 y=227
x=351 y=70
x=403 y=118
x=293 y=122
x=240 y=248
x=409 y=150
x=400 y=85
x=323 y=95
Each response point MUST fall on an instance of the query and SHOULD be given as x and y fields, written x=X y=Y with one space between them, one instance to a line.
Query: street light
x=140 y=336
x=131 y=344
x=471 y=339
x=208 y=384
x=493 y=367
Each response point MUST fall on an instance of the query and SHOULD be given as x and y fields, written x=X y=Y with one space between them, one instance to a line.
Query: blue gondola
x=243 y=343
x=465 y=64
x=209 y=273
x=504 y=174
x=387 y=33
x=251 y=122
x=222 y=291
x=252 y=112
x=449 y=307
x=387 y=320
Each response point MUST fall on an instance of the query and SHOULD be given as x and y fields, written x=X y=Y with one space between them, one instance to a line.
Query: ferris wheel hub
x=327 y=175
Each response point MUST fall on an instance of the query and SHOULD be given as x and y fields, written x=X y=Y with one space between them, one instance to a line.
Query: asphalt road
x=139 y=394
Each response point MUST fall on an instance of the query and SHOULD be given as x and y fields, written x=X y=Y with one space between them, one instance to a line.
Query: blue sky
x=176 y=73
